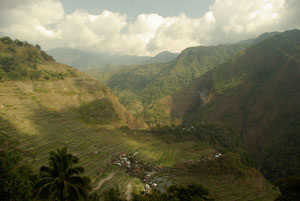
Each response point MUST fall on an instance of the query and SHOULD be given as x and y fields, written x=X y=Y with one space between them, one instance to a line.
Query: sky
x=143 y=27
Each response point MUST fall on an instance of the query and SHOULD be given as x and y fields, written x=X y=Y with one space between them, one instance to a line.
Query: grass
x=52 y=119
x=228 y=187
x=42 y=126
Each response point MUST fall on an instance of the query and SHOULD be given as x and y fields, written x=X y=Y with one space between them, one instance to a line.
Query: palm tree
x=60 y=181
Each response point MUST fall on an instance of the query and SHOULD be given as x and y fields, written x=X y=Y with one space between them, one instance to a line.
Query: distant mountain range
x=84 y=60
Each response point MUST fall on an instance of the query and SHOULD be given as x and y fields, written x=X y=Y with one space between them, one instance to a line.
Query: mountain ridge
x=84 y=60
x=256 y=93
x=255 y=90
x=62 y=107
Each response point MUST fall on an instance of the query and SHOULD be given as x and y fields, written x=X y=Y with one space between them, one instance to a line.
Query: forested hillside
x=258 y=94
x=62 y=107
x=141 y=87
x=253 y=87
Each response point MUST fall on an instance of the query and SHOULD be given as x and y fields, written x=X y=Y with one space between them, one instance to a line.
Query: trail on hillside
x=109 y=177
x=128 y=191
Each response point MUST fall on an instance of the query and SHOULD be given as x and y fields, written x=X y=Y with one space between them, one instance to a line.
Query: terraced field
x=30 y=114
x=229 y=187
x=45 y=115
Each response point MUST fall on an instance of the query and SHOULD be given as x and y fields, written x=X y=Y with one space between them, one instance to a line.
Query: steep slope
x=39 y=81
x=258 y=94
x=140 y=87
x=70 y=109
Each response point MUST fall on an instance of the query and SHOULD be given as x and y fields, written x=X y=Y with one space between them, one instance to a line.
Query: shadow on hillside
x=8 y=130
x=11 y=136
x=189 y=99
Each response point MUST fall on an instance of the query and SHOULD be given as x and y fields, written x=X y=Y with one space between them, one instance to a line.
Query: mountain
x=252 y=87
x=138 y=87
x=76 y=58
x=46 y=105
x=257 y=93
x=260 y=38
x=47 y=81
x=84 y=60
x=162 y=57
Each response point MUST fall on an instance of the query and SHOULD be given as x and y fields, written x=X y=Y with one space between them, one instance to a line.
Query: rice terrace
x=149 y=101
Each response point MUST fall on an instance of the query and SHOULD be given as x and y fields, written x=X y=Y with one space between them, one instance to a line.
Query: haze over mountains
x=219 y=115
x=83 y=60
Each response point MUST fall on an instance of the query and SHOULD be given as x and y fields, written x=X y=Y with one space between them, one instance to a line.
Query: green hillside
x=20 y=61
x=258 y=94
x=253 y=87
x=76 y=111
x=162 y=57
x=141 y=87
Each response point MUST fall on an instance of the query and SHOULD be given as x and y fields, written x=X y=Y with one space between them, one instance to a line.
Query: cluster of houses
x=135 y=168
x=146 y=172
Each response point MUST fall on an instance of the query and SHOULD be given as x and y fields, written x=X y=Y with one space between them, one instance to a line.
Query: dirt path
x=128 y=191
x=109 y=177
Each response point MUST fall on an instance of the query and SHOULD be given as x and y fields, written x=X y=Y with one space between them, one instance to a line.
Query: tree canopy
x=61 y=179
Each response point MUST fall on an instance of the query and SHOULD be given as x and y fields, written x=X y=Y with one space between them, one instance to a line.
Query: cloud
x=45 y=22
x=30 y=20
x=245 y=19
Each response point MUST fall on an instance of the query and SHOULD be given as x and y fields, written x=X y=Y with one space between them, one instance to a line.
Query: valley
x=207 y=117
x=255 y=90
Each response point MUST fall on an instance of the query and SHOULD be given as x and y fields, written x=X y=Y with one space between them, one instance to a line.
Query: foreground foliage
x=16 y=177
x=192 y=192
x=289 y=188
x=60 y=180
x=283 y=158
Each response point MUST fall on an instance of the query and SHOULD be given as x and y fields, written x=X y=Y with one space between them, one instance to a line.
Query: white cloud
x=46 y=23
x=246 y=18
x=29 y=20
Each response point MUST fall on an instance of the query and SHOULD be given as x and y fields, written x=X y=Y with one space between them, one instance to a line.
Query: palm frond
x=61 y=180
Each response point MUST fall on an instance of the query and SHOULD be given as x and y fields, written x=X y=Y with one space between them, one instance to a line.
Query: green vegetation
x=221 y=137
x=289 y=188
x=140 y=87
x=257 y=94
x=283 y=158
x=112 y=195
x=16 y=177
x=80 y=113
x=182 y=193
x=98 y=112
x=21 y=61
x=254 y=89
x=61 y=180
